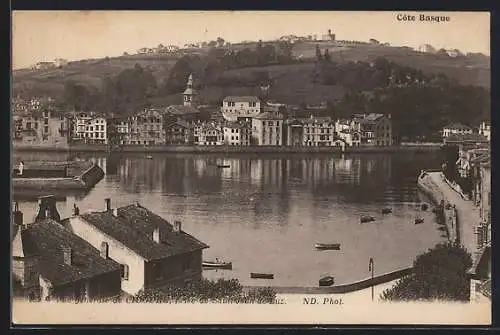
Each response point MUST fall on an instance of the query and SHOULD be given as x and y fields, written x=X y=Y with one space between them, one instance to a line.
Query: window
x=124 y=270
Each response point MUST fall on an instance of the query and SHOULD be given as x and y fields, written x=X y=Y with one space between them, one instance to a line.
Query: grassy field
x=292 y=82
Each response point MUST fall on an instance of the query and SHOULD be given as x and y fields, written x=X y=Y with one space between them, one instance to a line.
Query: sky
x=73 y=35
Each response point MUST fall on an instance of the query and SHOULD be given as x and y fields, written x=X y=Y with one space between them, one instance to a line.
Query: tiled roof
x=457 y=126
x=242 y=99
x=181 y=123
x=133 y=227
x=269 y=116
x=466 y=138
x=182 y=110
x=45 y=240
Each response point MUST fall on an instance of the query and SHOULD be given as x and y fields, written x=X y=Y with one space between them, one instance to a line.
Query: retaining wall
x=344 y=288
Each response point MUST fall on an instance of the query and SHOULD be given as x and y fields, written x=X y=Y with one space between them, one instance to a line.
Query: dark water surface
x=265 y=212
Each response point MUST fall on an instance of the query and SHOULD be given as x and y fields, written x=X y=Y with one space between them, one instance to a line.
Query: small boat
x=223 y=166
x=424 y=207
x=419 y=220
x=218 y=265
x=386 y=210
x=327 y=246
x=327 y=281
x=261 y=275
x=149 y=157
x=367 y=219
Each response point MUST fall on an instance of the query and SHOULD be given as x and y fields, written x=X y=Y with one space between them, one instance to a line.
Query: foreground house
x=485 y=130
x=151 y=252
x=50 y=262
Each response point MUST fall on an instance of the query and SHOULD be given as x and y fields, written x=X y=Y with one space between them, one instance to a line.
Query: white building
x=267 y=129
x=96 y=130
x=235 y=108
x=485 y=130
x=80 y=121
x=456 y=128
x=237 y=133
x=426 y=48
x=318 y=131
x=208 y=133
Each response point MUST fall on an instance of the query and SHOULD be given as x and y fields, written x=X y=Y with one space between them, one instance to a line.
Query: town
x=241 y=121
x=377 y=173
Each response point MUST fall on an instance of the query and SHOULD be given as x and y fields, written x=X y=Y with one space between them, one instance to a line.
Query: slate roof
x=269 y=116
x=457 y=126
x=241 y=99
x=466 y=138
x=182 y=110
x=134 y=226
x=45 y=240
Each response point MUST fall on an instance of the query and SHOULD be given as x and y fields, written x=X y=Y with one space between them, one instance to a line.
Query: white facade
x=96 y=131
x=208 y=134
x=318 y=132
x=236 y=134
x=234 y=107
x=79 y=124
x=485 y=130
x=133 y=281
x=267 y=129
x=456 y=129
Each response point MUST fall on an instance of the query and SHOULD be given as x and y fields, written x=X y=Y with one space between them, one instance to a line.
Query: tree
x=440 y=273
x=230 y=291
x=179 y=74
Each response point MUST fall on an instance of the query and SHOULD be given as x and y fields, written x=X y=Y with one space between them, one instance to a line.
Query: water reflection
x=264 y=213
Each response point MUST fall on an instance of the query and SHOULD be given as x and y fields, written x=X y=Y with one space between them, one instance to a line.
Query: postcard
x=238 y=167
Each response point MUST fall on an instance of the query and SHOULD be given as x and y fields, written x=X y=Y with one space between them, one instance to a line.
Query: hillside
x=292 y=82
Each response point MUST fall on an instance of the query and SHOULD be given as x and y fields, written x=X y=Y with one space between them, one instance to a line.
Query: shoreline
x=232 y=150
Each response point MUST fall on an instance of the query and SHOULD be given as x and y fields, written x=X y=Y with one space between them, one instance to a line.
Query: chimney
x=177 y=226
x=104 y=250
x=156 y=235
x=47 y=209
x=17 y=215
x=108 y=204
x=115 y=212
x=76 y=210
x=67 y=255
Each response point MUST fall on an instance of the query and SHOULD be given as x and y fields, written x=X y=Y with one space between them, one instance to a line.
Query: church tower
x=190 y=93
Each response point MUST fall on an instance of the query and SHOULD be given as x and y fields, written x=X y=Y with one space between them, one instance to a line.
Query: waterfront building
x=50 y=262
x=151 y=251
x=42 y=126
x=267 y=129
x=238 y=133
x=235 y=108
x=373 y=129
x=178 y=132
x=318 y=131
x=455 y=129
x=312 y=131
x=466 y=140
x=122 y=125
x=79 y=124
x=208 y=133
x=485 y=130
x=146 y=128
x=96 y=130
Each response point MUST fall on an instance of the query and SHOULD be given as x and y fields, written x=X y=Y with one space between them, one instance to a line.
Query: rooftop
x=182 y=110
x=133 y=227
x=269 y=116
x=241 y=99
x=46 y=240
x=461 y=138
x=457 y=126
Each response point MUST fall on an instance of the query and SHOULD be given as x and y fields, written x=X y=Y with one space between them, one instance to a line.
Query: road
x=468 y=214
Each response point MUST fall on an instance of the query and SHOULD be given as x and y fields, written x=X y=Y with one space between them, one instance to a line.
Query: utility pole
x=371 y=268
